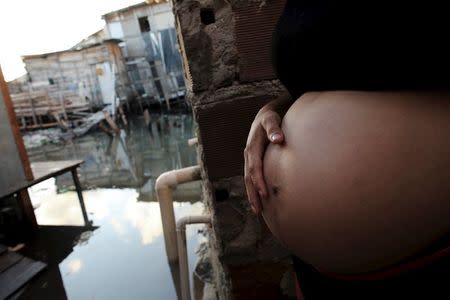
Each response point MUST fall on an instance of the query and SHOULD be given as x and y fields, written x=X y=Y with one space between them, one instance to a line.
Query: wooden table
x=49 y=169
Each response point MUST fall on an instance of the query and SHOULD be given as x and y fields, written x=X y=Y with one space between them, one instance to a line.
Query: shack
x=150 y=49
x=67 y=84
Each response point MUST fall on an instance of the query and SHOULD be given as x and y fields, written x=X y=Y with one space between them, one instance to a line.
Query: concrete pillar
x=225 y=47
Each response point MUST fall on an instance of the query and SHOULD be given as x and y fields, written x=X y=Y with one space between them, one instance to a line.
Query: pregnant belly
x=363 y=180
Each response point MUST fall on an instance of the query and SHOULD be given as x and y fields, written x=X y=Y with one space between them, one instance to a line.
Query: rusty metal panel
x=223 y=134
x=253 y=29
x=15 y=168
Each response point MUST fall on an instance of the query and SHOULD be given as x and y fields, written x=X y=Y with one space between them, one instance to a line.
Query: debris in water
x=34 y=139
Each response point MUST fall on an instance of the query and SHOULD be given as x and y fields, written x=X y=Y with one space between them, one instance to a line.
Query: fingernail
x=275 y=136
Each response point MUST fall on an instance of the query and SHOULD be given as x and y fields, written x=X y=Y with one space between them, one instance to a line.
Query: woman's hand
x=265 y=129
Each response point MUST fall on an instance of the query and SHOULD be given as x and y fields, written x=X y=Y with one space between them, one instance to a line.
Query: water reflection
x=125 y=254
x=123 y=257
x=135 y=158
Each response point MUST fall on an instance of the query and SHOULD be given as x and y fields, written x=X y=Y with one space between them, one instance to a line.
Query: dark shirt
x=362 y=45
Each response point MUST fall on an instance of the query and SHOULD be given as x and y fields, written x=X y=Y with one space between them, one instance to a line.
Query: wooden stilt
x=111 y=122
x=146 y=117
x=122 y=115
x=32 y=107
x=63 y=124
x=167 y=102
x=40 y=120
x=76 y=180
x=103 y=127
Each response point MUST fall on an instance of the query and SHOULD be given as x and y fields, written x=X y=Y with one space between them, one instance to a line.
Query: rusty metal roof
x=125 y=9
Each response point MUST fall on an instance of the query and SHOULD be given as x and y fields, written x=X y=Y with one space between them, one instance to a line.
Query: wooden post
x=76 y=180
x=33 y=111
x=146 y=117
x=63 y=105
x=63 y=124
x=111 y=122
x=167 y=102
x=139 y=100
x=61 y=98
x=103 y=127
x=122 y=115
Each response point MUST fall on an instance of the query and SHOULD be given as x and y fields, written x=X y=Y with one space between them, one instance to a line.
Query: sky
x=40 y=26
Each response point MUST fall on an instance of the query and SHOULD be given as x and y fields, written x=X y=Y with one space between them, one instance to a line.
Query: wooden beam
x=111 y=122
x=122 y=115
x=44 y=125
x=31 y=100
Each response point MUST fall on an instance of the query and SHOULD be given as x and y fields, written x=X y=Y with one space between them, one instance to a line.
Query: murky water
x=124 y=258
x=133 y=159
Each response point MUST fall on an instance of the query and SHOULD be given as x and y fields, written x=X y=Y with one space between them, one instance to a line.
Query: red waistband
x=395 y=270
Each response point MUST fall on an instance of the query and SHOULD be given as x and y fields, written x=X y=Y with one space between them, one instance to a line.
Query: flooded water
x=123 y=256
x=133 y=159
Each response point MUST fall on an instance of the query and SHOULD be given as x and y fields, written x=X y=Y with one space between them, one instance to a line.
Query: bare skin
x=266 y=128
x=362 y=179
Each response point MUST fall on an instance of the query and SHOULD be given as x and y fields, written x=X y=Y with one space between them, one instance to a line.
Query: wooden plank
x=46 y=125
x=18 y=275
x=43 y=171
x=9 y=259
x=47 y=169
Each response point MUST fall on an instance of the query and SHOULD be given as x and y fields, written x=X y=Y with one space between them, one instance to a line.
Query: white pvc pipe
x=164 y=185
x=182 y=251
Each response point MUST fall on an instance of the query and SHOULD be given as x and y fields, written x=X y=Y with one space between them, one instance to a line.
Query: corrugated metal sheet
x=253 y=28
x=223 y=131
x=135 y=47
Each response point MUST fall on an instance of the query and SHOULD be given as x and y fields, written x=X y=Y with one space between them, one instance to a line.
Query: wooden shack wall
x=63 y=74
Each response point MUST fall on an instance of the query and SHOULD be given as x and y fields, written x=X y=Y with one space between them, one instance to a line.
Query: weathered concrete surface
x=209 y=49
x=269 y=90
x=237 y=237
x=259 y=281
x=244 y=237
x=224 y=105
